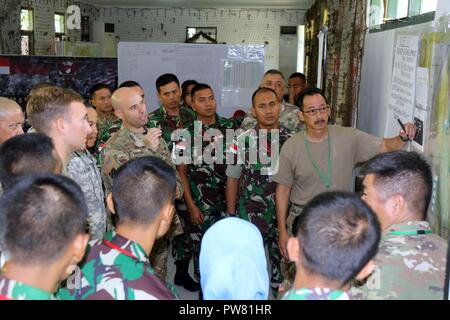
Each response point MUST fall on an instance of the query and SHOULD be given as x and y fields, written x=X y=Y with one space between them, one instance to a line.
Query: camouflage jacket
x=14 y=290
x=316 y=294
x=410 y=265
x=104 y=123
x=206 y=175
x=103 y=137
x=125 y=145
x=117 y=269
x=82 y=168
x=288 y=119
x=256 y=199
x=168 y=124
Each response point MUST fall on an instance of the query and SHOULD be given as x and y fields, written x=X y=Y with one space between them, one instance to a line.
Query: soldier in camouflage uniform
x=82 y=167
x=131 y=142
x=118 y=268
x=205 y=179
x=100 y=95
x=49 y=211
x=411 y=260
x=256 y=194
x=169 y=117
x=289 y=119
x=337 y=238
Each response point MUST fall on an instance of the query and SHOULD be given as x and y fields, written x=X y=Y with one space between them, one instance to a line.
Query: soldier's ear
x=293 y=249
x=300 y=116
x=79 y=247
x=110 y=203
x=165 y=219
x=253 y=112
x=368 y=269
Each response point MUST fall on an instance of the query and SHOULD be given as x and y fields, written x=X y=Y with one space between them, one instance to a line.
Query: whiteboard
x=233 y=71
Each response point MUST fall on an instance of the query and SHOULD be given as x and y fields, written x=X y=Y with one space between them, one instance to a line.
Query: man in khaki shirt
x=322 y=158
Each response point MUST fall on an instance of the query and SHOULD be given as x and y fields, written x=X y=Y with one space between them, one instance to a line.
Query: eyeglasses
x=313 y=112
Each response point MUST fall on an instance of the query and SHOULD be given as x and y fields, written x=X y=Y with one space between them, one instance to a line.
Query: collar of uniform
x=214 y=125
x=319 y=292
x=21 y=291
x=128 y=245
x=408 y=226
x=137 y=138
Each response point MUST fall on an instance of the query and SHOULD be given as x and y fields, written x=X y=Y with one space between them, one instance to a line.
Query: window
x=60 y=23
x=26 y=31
x=388 y=11
x=201 y=34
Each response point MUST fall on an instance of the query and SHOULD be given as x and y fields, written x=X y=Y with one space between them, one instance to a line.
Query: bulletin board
x=233 y=71
x=420 y=93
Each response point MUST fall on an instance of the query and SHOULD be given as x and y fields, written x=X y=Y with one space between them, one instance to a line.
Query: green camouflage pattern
x=14 y=290
x=256 y=198
x=103 y=137
x=160 y=119
x=315 y=294
x=207 y=182
x=288 y=119
x=181 y=245
x=117 y=269
x=123 y=146
x=409 y=267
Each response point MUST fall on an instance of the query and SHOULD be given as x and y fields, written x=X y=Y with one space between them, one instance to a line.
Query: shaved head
x=124 y=97
x=8 y=106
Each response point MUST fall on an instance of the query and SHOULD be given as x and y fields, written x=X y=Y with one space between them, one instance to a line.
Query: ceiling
x=294 y=4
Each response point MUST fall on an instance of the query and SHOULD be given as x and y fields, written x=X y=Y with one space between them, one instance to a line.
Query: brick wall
x=234 y=26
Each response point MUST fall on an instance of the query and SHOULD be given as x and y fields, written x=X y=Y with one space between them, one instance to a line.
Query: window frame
x=28 y=33
x=59 y=35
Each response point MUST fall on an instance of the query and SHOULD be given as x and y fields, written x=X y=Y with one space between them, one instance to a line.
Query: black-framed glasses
x=313 y=112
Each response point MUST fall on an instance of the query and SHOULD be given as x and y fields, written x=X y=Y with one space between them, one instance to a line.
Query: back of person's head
x=44 y=213
x=48 y=104
x=141 y=188
x=129 y=84
x=308 y=92
x=402 y=173
x=96 y=87
x=274 y=72
x=233 y=263
x=198 y=87
x=166 y=79
x=338 y=235
x=25 y=154
x=38 y=86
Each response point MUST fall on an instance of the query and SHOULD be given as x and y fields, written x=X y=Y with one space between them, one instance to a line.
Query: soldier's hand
x=411 y=131
x=282 y=243
x=152 y=138
x=178 y=193
x=196 y=215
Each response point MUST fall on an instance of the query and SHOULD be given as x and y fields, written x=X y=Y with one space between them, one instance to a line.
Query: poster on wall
x=403 y=85
x=421 y=110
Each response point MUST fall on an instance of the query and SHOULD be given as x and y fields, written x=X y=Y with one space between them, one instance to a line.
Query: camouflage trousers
x=197 y=232
x=288 y=267
x=158 y=256
x=182 y=247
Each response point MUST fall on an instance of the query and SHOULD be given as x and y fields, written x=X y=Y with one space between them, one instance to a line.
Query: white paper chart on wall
x=233 y=71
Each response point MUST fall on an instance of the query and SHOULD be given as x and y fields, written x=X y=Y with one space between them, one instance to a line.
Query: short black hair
x=166 y=79
x=308 y=92
x=43 y=214
x=25 y=154
x=198 y=87
x=185 y=86
x=141 y=188
x=129 y=84
x=405 y=173
x=274 y=72
x=262 y=90
x=298 y=75
x=96 y=87
x=338 y=235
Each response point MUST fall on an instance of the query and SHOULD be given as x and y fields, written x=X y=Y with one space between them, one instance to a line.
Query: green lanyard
x=410 y=233
x=326 y=180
